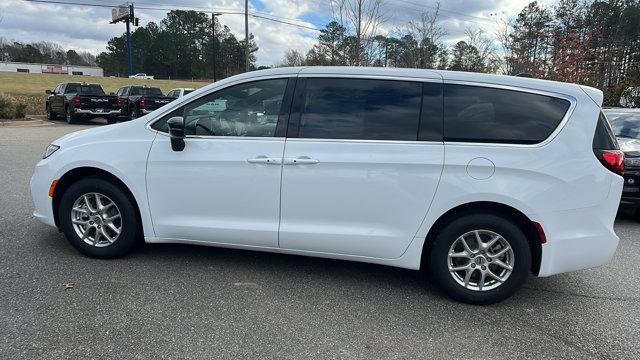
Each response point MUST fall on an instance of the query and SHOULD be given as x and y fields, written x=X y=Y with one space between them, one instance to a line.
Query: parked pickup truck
x=138 y=100
x=78 y=101
x=141 y=76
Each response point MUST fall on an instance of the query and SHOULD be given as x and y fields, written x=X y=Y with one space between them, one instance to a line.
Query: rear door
x=362 y=161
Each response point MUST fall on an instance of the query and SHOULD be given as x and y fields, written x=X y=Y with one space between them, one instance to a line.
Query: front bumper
x=39 y=184
x=98 y=112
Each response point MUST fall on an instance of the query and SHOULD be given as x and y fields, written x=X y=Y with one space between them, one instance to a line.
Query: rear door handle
x=264 y=160
x=302 y=160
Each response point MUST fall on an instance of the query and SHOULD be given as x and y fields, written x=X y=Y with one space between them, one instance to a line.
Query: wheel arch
x=78 y=173
x=519 y=218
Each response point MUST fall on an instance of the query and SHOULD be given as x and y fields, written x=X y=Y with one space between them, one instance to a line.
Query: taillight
x=142 y=101
x=119 y=101
x=76 y=100
x=612 y=160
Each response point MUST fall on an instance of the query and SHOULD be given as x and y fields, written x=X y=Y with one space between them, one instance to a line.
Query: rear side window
x=84 y=89
x=364 y=109
x=146 y=91
x=604 y=139
x=484 y=114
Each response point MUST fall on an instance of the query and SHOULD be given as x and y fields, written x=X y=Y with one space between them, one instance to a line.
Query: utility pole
x=246 y=34
x=213 y=28
x=128 y=21
x=124 y=13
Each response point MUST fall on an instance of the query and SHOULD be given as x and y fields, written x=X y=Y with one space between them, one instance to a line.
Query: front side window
x=366 y=109
x=485 y=114
x=248 y=109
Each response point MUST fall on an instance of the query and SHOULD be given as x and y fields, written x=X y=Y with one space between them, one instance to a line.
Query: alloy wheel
x=96 y=219
x=480 y=260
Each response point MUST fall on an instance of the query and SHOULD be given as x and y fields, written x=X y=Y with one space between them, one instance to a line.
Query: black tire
x=112 y=120
x=129 y=234
x=439 y=258
x=50 y=114
x=70 y=116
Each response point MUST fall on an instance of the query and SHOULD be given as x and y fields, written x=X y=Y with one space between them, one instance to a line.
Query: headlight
x=50 y=150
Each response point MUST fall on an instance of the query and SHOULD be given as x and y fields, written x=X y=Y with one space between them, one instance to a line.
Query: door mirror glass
x=176 y=132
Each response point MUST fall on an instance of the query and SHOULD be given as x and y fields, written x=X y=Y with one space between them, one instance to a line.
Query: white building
x=50 y=69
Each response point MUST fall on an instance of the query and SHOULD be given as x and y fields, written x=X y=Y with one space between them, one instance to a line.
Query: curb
x=19 y=123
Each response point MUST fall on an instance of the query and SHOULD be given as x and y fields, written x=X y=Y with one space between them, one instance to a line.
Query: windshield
x=625 y=124
x=188 y=92
x=152 y=91
x=83 y=89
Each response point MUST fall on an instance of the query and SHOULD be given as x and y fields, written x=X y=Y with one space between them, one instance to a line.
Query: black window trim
x=283 y=116
x=293 y=129
x=572 y=105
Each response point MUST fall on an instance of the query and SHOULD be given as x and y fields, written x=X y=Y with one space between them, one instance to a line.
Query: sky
x=86 y=28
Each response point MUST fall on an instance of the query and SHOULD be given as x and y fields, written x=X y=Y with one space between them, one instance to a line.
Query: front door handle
x=264 y=160
x=302 y=160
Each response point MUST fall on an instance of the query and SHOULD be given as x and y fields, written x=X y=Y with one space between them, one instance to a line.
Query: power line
x=267 y=17
x=445 y=10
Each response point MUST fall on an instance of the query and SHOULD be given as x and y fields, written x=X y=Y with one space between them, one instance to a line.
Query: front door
x=356 y=180
x=224 y=187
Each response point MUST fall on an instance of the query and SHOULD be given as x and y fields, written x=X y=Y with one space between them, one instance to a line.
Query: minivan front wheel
x=98 y=218
x=480 y=258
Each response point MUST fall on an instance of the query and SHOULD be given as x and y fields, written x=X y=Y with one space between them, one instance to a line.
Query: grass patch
x=21 y=84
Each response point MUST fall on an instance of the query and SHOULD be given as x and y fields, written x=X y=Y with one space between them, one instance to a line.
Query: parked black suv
x=81 y=101
x=626 y=126
x=140 y=100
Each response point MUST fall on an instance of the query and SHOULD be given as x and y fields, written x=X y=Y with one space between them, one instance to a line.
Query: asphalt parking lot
x=179 y=301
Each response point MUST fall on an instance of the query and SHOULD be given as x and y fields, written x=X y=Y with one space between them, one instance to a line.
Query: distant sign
x=54 y=69
x=120 y=13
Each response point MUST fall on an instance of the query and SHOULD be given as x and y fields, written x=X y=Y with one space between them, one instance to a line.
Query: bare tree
x=487 y=53
x=428 y=33
x=503 y=36
x=292 y=57
x=428 y=26
x=364 y=18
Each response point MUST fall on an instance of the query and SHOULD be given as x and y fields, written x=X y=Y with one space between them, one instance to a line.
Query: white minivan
x=479 y=179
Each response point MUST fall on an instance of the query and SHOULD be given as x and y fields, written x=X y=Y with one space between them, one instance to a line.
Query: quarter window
x=368 y=109
x=484 y=114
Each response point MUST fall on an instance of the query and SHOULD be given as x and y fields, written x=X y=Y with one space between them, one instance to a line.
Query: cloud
x=88 y=28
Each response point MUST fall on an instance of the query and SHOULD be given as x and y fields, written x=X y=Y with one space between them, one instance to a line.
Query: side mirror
x=48 y=92
x=176 y=132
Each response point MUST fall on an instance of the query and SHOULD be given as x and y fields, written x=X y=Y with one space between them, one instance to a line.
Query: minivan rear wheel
x=480 y=258
x=98 y=218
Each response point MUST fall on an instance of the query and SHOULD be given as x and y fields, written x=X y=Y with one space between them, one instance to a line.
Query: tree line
x=181 y=46
x=591 y=42
x=43 y=52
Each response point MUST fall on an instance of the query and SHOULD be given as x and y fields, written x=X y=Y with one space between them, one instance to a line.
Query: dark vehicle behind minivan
x=136 y=100
x=626 y=127
x=78 y=101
